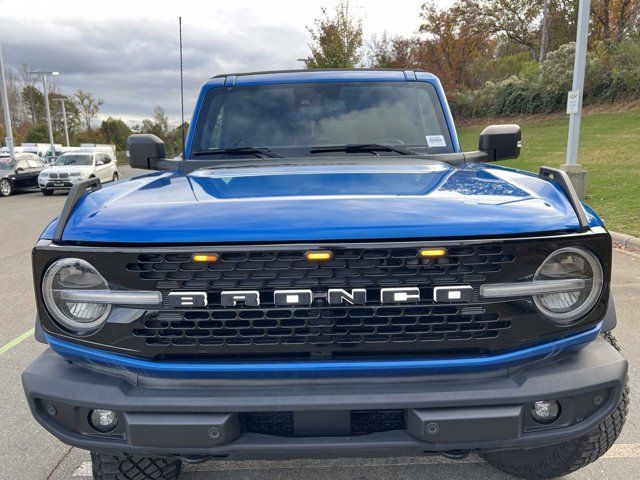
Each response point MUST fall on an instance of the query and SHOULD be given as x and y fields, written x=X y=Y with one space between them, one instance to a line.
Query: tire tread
x=558 y=460
x=131 y=467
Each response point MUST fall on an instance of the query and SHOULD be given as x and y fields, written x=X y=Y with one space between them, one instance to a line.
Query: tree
x=161 y=121
x=544 y=36
x=38 y=134
x=517 y=20
x=33 y=104
x=613 y=20
x=336 y=39
x=115 y=132
x=14 y=97
x=394 y=52
x=455 y=39
x=174 y=140
x=73 y=115
x=88 y=105
x=158 y=126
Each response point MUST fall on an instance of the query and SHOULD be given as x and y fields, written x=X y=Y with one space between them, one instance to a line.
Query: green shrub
x=612 y=75
x=556 y=72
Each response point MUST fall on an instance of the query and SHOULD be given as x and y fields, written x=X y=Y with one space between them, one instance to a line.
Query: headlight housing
x=70 y=275
x=570 y=263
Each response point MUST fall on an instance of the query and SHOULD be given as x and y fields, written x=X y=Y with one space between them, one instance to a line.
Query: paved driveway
x=29 y=452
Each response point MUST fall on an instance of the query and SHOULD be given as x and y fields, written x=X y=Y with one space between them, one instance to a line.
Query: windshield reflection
x=323 y=114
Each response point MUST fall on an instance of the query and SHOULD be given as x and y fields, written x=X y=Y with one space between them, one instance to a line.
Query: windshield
x=308 y=115
x=73 y=159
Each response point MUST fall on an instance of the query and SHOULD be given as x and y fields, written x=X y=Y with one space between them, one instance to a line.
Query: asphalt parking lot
x=29 y=452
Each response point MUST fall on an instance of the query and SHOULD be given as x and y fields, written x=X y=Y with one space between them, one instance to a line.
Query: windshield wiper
x=361 y=147
x=238 y=150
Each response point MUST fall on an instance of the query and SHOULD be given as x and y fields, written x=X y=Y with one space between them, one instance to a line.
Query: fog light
x=545 y=411
x=103 y=420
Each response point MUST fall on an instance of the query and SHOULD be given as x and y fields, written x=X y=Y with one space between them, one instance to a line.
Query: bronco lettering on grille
x=334 y=296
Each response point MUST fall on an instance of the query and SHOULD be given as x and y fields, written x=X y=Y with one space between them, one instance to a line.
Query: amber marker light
x=432 y=252
x=318 y=256
x=202 y=257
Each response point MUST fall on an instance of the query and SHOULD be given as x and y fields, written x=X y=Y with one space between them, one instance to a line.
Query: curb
x=625 y=240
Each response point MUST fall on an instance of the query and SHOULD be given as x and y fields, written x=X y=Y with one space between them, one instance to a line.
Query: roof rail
x=76 y=193
x=314 y=70
x=563 y=180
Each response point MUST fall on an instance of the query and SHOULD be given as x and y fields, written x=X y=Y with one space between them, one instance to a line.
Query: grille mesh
x=345 y=326
x=349 y=268
x=321 y=325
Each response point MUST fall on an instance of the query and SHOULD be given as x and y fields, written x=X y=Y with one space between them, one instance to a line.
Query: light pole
x=5 y=109
x=46 y=103
x=64 y=118
x=574 y=101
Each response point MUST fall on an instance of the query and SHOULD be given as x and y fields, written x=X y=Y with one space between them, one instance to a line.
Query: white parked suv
x=73 y=167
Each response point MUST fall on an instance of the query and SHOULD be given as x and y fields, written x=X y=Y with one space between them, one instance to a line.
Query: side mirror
x=99 y=163
x=19 y=170
x=145 y=151
x=501 y=142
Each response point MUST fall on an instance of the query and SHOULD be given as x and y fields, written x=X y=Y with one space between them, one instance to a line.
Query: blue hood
x=320 y=202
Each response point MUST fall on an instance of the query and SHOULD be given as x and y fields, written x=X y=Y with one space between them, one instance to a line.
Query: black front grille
x=321 y=331
x=321 y=326
x=53 y=175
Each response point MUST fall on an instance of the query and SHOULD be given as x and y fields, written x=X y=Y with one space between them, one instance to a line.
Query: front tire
x=561 y=459
x=131 y=467
x=6 y=188
x=46 y=192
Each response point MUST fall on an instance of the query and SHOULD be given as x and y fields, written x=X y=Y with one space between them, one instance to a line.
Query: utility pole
x=574 y=101
x=64 y=118
x=5 y=109
x=44 y=74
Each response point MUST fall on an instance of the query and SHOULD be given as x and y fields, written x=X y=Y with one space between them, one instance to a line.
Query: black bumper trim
x=596 y=367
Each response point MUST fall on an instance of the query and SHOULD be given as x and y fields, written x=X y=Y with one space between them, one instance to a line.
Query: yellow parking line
x=16 y=341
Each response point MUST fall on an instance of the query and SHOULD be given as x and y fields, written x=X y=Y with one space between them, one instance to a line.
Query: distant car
x=73 y=167
x=20 y=173
x=51 y=156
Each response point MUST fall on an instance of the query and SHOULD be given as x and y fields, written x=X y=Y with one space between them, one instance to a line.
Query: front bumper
x=62 y=184
x=208 y=417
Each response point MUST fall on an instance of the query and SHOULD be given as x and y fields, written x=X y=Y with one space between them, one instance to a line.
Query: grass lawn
x=609 y=151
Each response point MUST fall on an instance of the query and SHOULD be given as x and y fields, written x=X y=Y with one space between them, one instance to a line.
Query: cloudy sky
x=126 y=52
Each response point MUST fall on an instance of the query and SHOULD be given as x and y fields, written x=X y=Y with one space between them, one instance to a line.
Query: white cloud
x=126 y=52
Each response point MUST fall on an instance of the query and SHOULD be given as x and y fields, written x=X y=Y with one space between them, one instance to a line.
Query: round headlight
x=570 y=263
x=74 y=274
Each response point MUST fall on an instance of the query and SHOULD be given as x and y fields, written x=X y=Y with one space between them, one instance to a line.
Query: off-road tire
x=561 y=459
x=130 y=467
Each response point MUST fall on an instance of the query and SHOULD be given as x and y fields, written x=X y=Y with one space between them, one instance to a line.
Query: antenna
x=184 y=157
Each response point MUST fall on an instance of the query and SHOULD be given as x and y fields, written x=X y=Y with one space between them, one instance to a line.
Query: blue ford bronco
x=326 y=274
